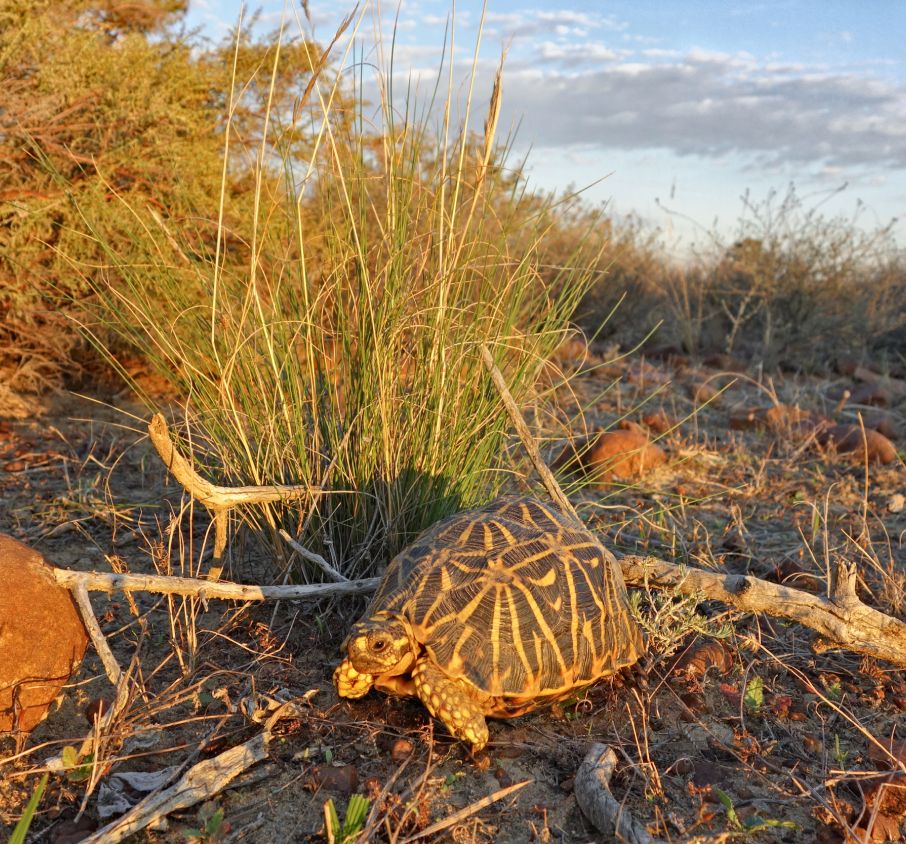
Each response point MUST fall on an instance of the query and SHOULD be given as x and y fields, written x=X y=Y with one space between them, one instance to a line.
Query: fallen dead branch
x=841 y=620
x=592 y=790
x=201 y=782
x=218 y=499
x=96 y=581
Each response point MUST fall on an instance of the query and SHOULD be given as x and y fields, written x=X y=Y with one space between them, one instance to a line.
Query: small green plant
x=77 y=769
x=356 y=813
x=670 y=617
x=833 y=689
x=751 y=824
x=22 y=827
x=754 y=695
x=452 y=779
x=840 y=755
x=213 y=827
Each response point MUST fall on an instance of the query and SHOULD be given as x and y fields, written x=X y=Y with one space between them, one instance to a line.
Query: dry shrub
x=790 y=288
x=106 y=106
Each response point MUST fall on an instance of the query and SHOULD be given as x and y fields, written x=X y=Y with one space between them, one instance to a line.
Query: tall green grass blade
x=22 y=827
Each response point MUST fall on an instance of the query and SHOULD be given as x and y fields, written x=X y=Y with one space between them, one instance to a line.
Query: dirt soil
x=731 y=727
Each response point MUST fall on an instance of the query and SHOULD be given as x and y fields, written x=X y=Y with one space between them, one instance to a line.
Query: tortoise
x=494 y=611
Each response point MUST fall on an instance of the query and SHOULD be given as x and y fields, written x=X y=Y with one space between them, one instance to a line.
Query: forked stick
x=218 y=499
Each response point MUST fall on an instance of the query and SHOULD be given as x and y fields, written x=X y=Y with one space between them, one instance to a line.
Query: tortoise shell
x=517 y=598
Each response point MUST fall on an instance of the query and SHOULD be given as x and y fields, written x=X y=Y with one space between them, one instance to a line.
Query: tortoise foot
x=351 y=683
x=455 y=703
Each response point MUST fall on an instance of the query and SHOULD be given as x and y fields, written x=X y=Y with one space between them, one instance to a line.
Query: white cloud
x=709 y=104
x=572 y=53
x=566 y=22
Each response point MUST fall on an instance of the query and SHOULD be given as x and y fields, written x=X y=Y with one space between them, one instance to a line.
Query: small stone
x=628 y=454
x=502 y=776
x=42 y=638
x=481 y=760
x=96 y=709
x=401 y=750
x=851 y=439
x=812 y=745
x=341 y=778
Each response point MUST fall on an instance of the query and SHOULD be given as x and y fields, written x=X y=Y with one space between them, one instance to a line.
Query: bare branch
x=317 y=559
x=593 y=795
x=547 y=478
x=111 y=666
x=96 y=581
x=842 y=620
x=211 y=495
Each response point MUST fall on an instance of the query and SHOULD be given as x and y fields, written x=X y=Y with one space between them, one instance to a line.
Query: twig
x=218 y=499
x=80 y=593
x=592 y=790
x=96 y=581
x=468 y=811
x=317 y=559
x=547 y=478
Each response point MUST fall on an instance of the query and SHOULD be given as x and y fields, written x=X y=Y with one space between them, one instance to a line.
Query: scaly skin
x=351 y=683
x=457 y=703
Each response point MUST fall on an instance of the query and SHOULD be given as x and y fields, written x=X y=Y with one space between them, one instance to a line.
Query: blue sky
x=680 y=104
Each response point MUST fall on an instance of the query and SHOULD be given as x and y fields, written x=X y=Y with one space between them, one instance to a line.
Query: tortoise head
x=381 y=644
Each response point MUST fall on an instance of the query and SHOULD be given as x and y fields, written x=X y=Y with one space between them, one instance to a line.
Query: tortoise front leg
x=454 y=702
x=351 y=683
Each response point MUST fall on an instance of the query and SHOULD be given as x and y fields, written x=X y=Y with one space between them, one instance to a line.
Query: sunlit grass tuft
x=342 y=351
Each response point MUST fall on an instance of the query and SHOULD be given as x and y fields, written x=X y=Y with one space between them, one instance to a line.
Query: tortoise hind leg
x=457 y=703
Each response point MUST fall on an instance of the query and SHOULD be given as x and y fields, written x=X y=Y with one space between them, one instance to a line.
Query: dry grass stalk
x=467 y=812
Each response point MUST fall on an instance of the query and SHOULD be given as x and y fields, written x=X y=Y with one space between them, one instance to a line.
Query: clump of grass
x=344 y=356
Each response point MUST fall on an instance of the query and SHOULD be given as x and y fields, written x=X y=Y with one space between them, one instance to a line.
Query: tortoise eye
x=378 y=645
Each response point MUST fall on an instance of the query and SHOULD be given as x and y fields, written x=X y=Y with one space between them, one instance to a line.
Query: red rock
x=42 y=638
x=645 y=375
x=401 y=750
x=573 y=349
x=702 y=392
x=884 y=424
x=341 y=778
x=626 y=454
x=658 y=421
x=848 y=439
x=778 y=418
x=873 y=394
